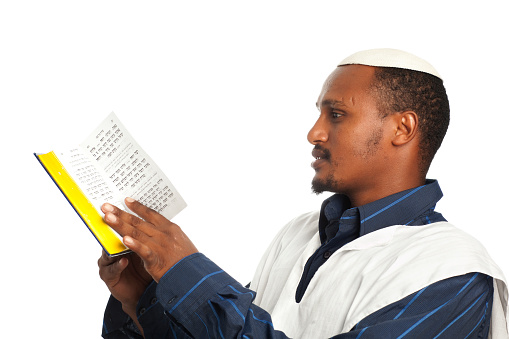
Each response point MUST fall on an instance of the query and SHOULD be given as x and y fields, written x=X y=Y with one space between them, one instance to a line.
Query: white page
x=88 y=177
x=129 y=170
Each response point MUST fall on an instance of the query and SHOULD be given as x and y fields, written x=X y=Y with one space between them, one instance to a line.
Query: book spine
x=108 y=239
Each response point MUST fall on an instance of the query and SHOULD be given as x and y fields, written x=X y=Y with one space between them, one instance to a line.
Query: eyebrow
x=331 y=103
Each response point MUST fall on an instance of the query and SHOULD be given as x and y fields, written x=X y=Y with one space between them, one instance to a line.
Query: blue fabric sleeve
x=206 y=302
x=117 y=324
x=196 y=299
x=458 y=307
x=150 y=313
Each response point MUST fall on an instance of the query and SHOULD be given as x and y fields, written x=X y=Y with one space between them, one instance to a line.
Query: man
x=376 y=261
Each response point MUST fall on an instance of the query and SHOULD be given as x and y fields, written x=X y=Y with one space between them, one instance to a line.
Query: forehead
x=347 y=85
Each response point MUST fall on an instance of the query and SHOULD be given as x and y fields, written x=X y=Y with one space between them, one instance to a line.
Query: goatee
x=328 y=184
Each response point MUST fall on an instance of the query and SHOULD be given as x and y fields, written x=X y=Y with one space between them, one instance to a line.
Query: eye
x=336 y=114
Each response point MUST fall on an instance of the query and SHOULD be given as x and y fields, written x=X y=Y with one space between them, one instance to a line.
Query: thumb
x=114 y=270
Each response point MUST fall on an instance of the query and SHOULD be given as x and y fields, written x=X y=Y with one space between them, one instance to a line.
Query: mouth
x=321 y=156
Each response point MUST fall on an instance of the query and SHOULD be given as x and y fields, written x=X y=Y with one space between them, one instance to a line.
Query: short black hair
x=399 y=90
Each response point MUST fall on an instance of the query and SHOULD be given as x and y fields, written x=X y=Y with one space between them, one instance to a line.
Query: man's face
x=349 y=134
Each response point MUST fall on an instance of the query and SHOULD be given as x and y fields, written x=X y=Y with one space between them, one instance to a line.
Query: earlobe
x=406 y=127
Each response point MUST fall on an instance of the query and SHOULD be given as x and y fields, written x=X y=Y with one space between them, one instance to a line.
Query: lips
x=318 y=154
x=321 y=155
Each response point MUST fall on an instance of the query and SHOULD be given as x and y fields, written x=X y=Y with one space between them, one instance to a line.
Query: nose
x=318 y=133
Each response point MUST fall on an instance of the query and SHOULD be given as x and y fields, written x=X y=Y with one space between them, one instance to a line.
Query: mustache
x=325 y=152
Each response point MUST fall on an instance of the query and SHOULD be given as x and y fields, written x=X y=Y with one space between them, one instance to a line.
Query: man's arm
x=208 y=302
x=198 y=299
x=163 y=247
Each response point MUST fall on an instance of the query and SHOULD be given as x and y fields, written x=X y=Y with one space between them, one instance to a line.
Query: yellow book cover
x=107 y=167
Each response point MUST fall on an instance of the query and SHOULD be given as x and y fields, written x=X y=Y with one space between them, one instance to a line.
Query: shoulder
x=441 y=237
x=445 y=248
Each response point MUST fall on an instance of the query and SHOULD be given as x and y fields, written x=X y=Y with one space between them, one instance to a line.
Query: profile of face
x=350 y=137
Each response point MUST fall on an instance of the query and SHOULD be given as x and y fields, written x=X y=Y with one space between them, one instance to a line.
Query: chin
x=327 y=183
x=318 y=186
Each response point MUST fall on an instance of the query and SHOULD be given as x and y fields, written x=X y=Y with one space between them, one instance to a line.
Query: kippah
x=388 y=57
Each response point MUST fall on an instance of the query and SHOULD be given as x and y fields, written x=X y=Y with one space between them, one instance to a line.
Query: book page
x=88 y=177
x=129 y=170
x=86 y=189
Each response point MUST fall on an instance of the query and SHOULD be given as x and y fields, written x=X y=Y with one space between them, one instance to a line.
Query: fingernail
x=111 y=217
x=129 y=199
x=128 y=241
x=108 y=208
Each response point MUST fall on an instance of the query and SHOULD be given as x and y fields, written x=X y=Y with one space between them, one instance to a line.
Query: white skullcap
x=388 y=57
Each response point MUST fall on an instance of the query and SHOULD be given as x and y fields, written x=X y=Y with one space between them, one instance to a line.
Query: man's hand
x=125 y=277
x=156 y=240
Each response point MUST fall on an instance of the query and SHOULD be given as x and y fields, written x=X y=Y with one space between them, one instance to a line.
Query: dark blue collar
x=410 y=207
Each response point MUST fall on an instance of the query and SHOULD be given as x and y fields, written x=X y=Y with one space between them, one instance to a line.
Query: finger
x=124 y=228
x=118 y=217
x=145 y=212
x=153 y=263
x=111 y=273
x=106 y=207
x=106 y=260
x=138 y=247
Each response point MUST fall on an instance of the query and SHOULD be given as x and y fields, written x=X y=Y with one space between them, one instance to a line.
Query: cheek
x=372 y=144
x=356 y=153
x=346 y=143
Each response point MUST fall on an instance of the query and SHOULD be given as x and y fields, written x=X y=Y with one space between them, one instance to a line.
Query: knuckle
x=134 y=220
x=135 y=233
x=172 y=229
x=149 y=255
x=103 y=260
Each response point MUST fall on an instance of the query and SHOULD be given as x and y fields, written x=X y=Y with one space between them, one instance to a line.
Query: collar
x=397 y=209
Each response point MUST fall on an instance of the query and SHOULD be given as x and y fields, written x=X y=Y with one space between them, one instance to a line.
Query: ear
x=405 y=127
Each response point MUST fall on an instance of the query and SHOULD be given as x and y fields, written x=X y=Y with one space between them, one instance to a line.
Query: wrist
x=130 y=310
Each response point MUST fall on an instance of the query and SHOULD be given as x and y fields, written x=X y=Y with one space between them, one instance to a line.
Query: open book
x=107 y=167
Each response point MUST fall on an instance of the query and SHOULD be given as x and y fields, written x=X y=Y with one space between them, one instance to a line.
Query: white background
x=221 y=95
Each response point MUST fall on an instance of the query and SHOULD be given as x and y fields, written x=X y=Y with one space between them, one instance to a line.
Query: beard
x=332 y=184
x=329 y=184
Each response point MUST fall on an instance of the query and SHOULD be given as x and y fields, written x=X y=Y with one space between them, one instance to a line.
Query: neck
x=383 y=189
